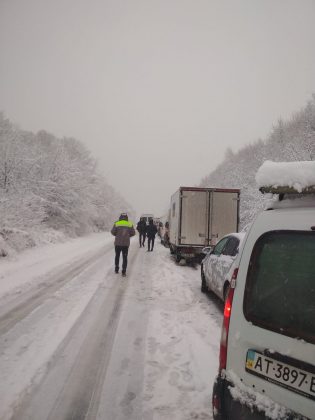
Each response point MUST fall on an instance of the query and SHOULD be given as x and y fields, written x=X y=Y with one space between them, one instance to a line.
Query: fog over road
x=78 y=341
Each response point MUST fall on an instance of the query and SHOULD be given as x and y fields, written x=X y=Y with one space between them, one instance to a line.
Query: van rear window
x=280 y=284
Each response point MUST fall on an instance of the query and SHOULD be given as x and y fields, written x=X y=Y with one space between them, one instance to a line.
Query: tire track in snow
x=72 y=385
x=123 y=391
x=21 y=306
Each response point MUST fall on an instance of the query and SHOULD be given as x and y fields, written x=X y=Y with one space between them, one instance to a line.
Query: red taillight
x=226 y=322
x=228 y=305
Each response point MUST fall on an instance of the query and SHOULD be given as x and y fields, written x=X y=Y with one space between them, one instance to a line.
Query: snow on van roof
x=296 y=175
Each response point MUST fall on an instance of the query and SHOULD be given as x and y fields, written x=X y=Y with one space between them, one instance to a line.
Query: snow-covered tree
x=51 y=183
x=288 y=141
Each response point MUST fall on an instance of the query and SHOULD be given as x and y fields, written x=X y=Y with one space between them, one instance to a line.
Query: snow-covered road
x=80 y=342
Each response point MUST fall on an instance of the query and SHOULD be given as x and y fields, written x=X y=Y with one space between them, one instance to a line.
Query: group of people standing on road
x=148 y=231
x=123 y=230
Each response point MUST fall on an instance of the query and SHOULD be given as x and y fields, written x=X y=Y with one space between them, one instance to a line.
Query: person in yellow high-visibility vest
x=122 y=230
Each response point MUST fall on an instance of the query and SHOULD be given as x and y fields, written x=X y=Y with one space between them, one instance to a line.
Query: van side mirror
x=206 y=250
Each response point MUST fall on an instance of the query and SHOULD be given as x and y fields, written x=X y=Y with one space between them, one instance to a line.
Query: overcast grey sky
x=156 y=89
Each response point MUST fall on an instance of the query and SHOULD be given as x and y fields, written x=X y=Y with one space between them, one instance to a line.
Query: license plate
x=287 y=376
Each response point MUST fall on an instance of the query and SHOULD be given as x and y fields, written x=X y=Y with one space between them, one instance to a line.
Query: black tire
x=204 y=288
x=178 y=258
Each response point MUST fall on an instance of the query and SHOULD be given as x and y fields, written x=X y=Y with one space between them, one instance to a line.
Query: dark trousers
x=150 y=244
x=124 y=250
x=141 y=239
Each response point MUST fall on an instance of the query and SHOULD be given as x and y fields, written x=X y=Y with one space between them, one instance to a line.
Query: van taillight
x=226 y=322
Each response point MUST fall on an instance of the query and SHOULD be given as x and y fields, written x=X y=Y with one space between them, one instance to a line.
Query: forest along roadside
x=141 y=347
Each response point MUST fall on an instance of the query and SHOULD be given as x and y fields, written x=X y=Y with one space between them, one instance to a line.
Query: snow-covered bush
x=17 y=239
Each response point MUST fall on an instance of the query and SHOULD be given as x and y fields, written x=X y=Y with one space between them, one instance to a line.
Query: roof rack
x=287 y=190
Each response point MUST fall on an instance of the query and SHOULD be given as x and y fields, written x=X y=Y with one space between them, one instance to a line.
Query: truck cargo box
x=199 y=217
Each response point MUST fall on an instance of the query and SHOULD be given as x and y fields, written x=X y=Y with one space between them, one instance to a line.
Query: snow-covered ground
x=78 y=341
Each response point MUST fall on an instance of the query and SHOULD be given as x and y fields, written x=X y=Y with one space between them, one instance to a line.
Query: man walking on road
x=122 y=230
x=151 y=232
x=141 y=228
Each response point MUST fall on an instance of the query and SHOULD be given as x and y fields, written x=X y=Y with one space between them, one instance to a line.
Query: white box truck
x=199 y=217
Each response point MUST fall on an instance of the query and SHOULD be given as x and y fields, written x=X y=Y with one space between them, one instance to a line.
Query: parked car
x=216 y=267
x=267 y=349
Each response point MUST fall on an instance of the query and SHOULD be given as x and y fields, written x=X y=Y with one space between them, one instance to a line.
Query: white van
x=267 y=349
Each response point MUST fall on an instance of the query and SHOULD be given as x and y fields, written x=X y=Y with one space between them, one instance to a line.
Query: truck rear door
x=194 y=217
x=224 y=214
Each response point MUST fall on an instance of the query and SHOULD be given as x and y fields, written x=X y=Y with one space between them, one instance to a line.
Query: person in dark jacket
x=142 y=228
x=151 y=232
x=122 y=230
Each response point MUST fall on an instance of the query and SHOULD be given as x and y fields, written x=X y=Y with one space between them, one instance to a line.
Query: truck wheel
x=178 y=258
x=203 y=281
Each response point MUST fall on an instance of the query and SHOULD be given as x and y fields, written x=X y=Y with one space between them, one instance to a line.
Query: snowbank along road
x=78 y=341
